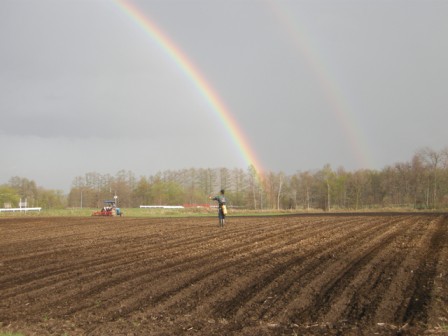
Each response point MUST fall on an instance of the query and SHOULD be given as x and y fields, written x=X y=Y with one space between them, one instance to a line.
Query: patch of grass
x=176 y=213
x=138 y=212
x=10 y=334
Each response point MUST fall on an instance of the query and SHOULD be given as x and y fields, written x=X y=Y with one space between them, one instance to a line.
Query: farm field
x=345 y=274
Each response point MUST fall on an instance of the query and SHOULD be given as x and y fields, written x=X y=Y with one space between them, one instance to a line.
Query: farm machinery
x=109 y=209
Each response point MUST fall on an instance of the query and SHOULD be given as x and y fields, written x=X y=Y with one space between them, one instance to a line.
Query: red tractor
x=109 y=209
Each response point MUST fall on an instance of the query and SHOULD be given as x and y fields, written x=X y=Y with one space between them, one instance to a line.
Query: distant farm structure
x=175 y=206
x=19 y=209
x=23 y=207
x=161 y=207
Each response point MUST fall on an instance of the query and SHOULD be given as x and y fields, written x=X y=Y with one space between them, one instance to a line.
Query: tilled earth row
x=286 y=275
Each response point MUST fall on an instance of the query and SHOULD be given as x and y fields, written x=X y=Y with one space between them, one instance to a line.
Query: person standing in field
x=222 y=209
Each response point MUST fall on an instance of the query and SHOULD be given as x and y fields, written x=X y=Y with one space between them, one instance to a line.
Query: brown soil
x=290 y=275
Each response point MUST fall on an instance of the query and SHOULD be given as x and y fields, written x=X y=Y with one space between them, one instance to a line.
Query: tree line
x=421 y=183
x=20 y=188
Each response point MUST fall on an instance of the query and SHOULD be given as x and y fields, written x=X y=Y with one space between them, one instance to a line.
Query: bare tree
x=433 y=161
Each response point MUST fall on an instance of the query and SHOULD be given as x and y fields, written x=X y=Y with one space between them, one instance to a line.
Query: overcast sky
x=357 y=84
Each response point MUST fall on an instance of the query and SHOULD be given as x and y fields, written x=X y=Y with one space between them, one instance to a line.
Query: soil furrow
x=398 y=296
x=173 y=267
x=423 y=282
x=319 y=281
x=320 y=274
x=309 y=260
x=360 y=299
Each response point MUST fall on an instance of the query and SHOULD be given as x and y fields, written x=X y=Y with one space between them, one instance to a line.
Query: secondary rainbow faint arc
x=182 y=61
x=329 y=85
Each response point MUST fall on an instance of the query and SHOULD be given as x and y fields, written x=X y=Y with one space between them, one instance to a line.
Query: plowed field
x=288 y=275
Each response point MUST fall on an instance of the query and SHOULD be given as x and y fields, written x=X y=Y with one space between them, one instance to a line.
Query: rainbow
x=334 y=96
x=195 y=76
